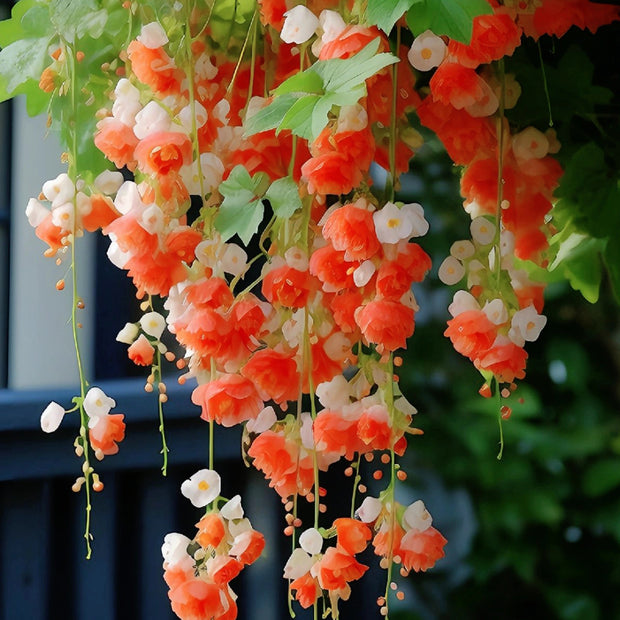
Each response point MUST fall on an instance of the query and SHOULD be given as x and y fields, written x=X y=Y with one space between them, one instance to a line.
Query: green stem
x=545 y=84
x=498 y=403
x=87 y=470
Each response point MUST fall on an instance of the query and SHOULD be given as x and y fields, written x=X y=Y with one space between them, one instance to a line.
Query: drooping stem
x=87 y=469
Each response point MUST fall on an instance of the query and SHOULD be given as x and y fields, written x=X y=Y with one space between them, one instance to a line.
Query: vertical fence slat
x=95 y=578
x=25 y=534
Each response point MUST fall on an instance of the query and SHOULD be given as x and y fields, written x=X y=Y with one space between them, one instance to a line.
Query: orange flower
x=154 y=68
x=374 y=429
x=117 y=142
x=211 y=530
x=307 y=590
x=351 y=229
x=493 y=37
x=228 y=400
x=420 y=550
x=101 y=214
x=194 y=598
x=387 y=323
x=223 y=568
x=141 y=351
x=163 y=152
x=107 y=431
x=335 y=434
x=353 y=535
x=274 y=374
x=504 y=359
x=279 y=458
x=248 y=546
x=287 y=286
x=336 y=568
x=471 y=333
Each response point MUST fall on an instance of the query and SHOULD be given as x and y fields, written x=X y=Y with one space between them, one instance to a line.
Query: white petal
x=52 y=417
x=153 y=324
x=202 y=488
x=369 y=510
x=311 y=541
x=417 y=517
x=232 y=509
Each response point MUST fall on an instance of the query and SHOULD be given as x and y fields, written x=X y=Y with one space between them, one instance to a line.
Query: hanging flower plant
x=275 y=119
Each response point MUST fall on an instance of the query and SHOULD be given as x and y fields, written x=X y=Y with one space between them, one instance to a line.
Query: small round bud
x=60 y=285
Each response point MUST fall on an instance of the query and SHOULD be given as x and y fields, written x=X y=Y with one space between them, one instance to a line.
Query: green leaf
x=385 y=13
x=22 y=61
x=308 y=81
x=611 y=257
x=271 y=115
x=12 y=29
x=601 y=477
x=453 y=18
x=77 y=18
x=299 y=116
x=341 y=74
x=241 y=212
x=283 y=195
x=36 y=21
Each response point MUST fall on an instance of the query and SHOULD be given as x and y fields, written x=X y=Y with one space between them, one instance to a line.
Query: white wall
x=41 y=352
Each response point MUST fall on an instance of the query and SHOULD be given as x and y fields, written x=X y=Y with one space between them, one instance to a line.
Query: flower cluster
x=245 y=208
x=199 y=571
x=509 y=175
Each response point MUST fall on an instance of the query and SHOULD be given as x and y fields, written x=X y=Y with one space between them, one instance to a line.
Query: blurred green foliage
x=547 y=516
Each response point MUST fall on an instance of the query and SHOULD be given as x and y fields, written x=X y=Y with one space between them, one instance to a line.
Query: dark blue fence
x=43 y=571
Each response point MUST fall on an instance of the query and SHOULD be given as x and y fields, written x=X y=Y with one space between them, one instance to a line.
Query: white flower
x=334 y=394
x=462 y=249
x=240 y=533
x=462 y=302
x=174 y=549
x=311 y=541
x=331 y=24
x=128 y=334
x=300 y=23
x=352 y=118
x=152 y=36
x=36 y=212
x=496 y=311
x=153 y=324
x=52 y=417
x=116 y=256
x=202 y=488
x=417 y=517
x=63 y=216
x=392 y=224
x=232 y=509
x=530 y=144
x=526 y=324
x=263 y=421
x=128 y=198
x=451 y=271
x=152 y=118
x=298 y=564
x=185 y=116
x=212 y=170
x=305 y=432
x=369 y=510
x=415 y=214
x=363 y=273
x=152 y=219
x=234 y=259
x=59 y=190
x=427 y=51
x=109 y=181
x=482 y=230
x=97 y=403
x=297 y=258
x=126 y=102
